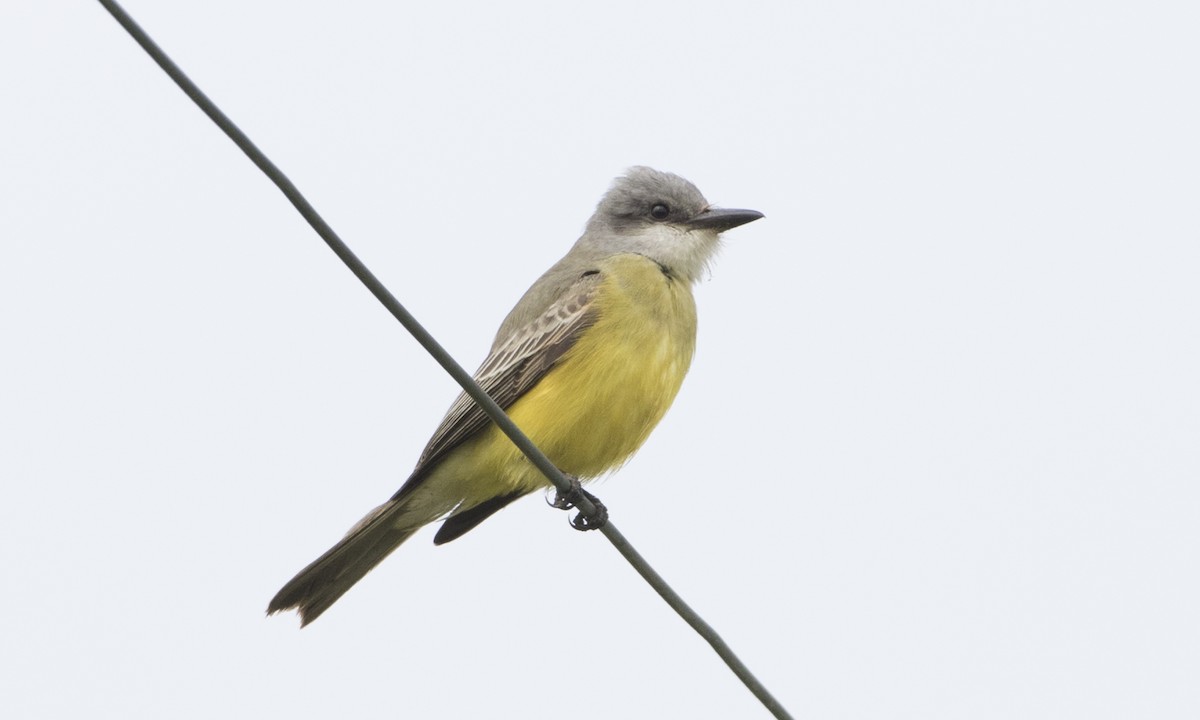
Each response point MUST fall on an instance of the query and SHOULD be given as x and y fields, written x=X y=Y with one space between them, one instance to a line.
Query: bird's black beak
x=722 y=219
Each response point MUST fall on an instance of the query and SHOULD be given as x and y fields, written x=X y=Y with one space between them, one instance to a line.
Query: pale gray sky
x=938 y=455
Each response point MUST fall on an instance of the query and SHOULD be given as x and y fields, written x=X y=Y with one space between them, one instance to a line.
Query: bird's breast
x=597 y=406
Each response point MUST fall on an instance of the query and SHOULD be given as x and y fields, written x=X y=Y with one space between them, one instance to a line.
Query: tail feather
x=318 y=586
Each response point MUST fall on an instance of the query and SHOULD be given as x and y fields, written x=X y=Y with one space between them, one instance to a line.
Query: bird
x=586 y=364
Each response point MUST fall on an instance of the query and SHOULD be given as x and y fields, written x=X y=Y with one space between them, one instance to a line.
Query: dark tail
x=327 y=578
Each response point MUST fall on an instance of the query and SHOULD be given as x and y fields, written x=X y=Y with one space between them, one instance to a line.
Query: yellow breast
x=598 y=405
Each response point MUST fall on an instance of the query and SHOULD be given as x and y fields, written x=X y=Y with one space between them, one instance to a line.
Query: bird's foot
x=570 y=499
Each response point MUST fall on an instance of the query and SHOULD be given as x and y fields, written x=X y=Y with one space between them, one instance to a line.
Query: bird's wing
x=513 y=367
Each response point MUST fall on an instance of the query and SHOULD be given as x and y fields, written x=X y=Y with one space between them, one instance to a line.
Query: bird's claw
x=570 y=499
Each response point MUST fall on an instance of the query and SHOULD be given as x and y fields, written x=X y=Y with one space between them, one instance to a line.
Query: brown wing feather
x=512 y=368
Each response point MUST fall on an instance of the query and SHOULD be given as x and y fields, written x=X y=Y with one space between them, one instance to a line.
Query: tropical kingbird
x=586 y=365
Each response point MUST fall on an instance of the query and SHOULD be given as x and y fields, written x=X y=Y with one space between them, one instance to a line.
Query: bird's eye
x=660 y=212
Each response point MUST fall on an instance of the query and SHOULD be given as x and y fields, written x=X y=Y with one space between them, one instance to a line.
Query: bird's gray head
x=661 y=216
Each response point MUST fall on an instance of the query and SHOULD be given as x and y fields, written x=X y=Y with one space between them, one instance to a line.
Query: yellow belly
x=598 y=405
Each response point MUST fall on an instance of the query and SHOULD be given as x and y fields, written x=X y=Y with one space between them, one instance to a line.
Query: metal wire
x=443 y=358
